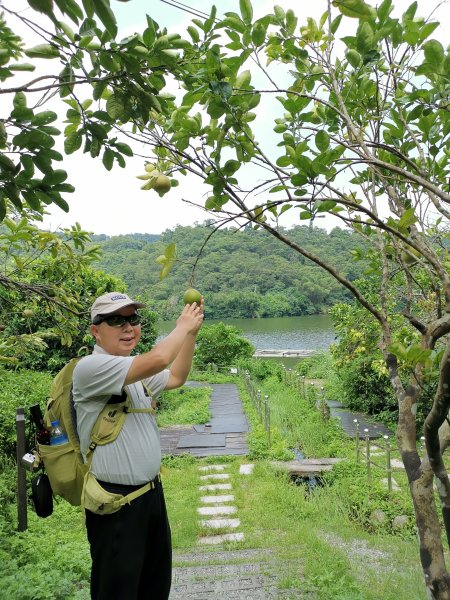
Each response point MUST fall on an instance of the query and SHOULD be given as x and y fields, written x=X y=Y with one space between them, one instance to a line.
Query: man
x=130 y=549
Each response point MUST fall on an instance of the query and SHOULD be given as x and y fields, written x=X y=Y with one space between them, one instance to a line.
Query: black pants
x=131 y=549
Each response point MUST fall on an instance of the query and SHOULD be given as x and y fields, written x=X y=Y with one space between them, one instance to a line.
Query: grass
x=184 y=406
x=321 y=539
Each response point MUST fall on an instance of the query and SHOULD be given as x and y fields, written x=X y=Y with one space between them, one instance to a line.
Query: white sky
x=111 y=202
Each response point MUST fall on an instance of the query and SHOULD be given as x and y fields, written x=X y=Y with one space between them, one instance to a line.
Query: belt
x=121 y=488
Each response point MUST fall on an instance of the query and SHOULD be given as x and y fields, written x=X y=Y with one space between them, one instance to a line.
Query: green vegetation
x=241 y=273
x=184 y=406
x=326 y=528
x=221 y=345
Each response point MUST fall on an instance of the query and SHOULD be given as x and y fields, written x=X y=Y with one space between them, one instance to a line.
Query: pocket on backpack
x=65 y=471
x=98 y=500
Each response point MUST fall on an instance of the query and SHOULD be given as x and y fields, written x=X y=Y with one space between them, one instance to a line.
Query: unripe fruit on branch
x=192 y=295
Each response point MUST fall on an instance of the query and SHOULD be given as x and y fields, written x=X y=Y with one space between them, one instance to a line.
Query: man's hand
x=191 y=317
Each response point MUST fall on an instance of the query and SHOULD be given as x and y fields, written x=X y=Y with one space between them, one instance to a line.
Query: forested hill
x=241 y=273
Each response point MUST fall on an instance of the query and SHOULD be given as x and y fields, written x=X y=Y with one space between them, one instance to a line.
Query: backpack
x=64 y=464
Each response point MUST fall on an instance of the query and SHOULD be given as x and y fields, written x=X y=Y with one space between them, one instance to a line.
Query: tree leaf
x=115 y=106
x=73 y=142
x=322 y=140
x=108 y=159
x=246 y=9
x=42 y=51
x=356 y=9
x=434 y=53
x=106 y=16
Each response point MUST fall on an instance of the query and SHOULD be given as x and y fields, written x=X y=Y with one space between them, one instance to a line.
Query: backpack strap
x=110 y=421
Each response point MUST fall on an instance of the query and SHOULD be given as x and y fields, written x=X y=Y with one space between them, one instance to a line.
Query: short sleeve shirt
x=135 y=456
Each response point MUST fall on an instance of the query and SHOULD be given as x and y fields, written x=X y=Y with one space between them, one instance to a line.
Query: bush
x=221 y=345
x=20 y=389
x=360 y=498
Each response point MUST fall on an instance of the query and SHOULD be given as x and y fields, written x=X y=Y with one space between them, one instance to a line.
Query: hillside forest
x=242 y=273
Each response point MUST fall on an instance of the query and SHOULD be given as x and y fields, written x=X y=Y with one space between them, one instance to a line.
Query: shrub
x=221 y=345
x=20 y=389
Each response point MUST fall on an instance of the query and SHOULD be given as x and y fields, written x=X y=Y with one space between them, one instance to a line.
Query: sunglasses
x=119 y=320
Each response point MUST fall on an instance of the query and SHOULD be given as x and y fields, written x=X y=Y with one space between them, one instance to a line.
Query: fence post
x=303 y=386
x=369 y=472
x=267 y=418
x=22 y=517
x=355 y=421
x=388 y=462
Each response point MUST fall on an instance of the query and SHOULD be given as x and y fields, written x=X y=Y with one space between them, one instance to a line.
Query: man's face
x=119 y=341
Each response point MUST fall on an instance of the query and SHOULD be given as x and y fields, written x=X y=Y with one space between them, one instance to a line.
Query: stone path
x=218 y=574
x=347 y=419
x=224 y=434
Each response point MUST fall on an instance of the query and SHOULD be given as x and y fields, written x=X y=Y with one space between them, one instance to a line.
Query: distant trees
x=242 y=273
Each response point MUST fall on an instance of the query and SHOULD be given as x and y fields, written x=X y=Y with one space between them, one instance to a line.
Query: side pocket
x=65 y=471
x=98 y=500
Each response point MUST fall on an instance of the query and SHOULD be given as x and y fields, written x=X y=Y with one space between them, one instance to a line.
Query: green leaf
x=19 y=100
x=124 y=149
x=6 y=164
x=354 y=58
x=115 y=106
x=2 y=206
x=434 y=53
x=230 y=167
x=73 y=142
x=106 y=16
x=170 y=251
x=322 y=140
x=22 y=67
x=70 y=8
x=246 y=9
x=108 y=159
x=258 y=34
x=43 y=51
x=365 y=38
x=193 y=32
x=356 y=9
x=55 y=177
x=335 y=24
x=43 y=118
x=407 y=219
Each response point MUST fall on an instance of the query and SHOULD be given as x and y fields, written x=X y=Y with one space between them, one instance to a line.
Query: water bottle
x=57 y=434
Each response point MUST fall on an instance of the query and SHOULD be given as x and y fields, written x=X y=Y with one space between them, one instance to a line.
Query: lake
x=310 y=333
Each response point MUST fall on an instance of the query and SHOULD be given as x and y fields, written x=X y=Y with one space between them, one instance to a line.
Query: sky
x=111 y=202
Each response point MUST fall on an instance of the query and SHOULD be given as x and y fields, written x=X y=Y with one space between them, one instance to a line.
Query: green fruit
x=28 y=313
x=162 y=184
x=191 y=295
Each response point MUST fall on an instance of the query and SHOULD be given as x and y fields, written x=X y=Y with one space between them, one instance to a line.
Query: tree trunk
x=437 y=579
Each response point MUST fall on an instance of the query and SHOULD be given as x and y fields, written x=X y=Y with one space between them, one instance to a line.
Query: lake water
x=279 y=333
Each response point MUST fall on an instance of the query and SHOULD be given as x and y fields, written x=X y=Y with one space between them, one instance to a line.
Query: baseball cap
x=111 y=302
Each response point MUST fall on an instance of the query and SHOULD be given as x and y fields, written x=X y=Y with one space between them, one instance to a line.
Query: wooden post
x=369 y=471
x=259 y=406
x=355 y=421
x=22 y=519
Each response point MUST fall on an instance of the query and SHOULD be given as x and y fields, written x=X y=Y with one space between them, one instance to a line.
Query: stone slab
x=216 y=510
x=214 y=476
x=212 y=468
x=201 y=441
x=219 y=539
x=215 y=486
x=246 y=469
x=220 y=523
x=217 y=499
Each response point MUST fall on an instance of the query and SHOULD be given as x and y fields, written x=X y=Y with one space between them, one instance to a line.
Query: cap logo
x=118 y=297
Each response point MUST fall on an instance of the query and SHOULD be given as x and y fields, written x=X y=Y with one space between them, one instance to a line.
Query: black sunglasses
x=119 y=320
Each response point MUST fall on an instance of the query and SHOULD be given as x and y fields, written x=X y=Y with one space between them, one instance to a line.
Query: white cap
x=112 y=302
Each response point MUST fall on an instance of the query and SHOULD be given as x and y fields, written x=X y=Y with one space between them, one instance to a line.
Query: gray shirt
x=135 y=456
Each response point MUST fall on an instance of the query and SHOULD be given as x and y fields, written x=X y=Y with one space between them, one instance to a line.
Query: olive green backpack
x=64 y=463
